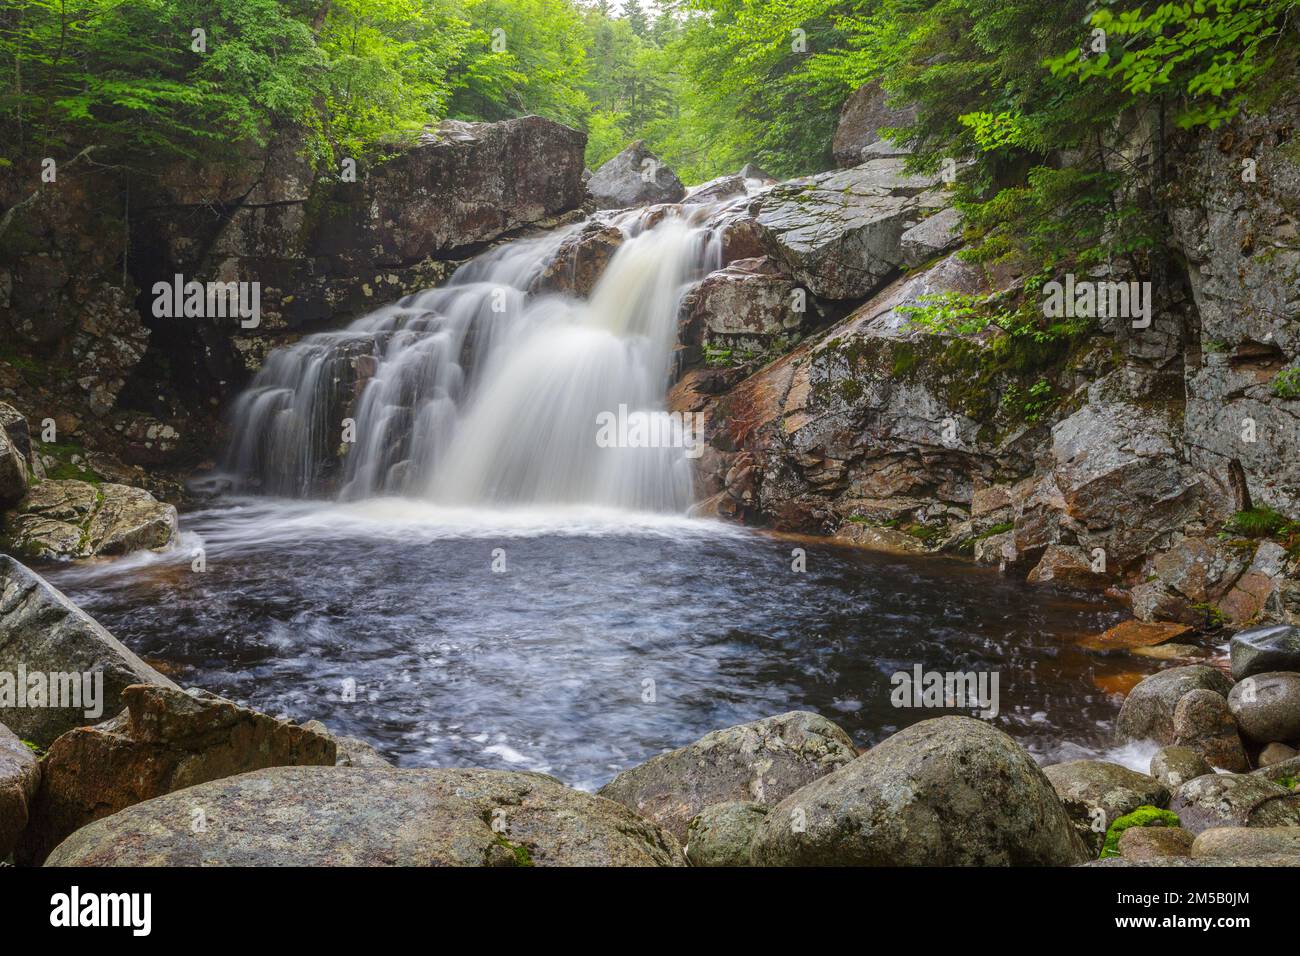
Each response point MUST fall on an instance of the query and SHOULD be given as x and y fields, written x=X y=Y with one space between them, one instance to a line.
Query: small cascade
x=481 y=393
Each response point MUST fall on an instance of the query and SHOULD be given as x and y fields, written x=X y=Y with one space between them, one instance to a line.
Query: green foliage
x=745 y=93
x=1144 y=816
x=1209 y=53
x=1028 y=404
x=1286 y=383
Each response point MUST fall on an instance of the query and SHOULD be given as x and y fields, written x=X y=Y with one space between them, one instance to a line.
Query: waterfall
x=482 y=393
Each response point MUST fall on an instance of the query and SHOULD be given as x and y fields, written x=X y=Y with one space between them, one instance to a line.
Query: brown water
x=546 y=666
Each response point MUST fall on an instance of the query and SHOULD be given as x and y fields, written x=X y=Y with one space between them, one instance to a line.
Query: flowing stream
x=425 y=546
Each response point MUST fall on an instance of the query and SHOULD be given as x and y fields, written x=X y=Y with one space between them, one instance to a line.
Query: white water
x=480 y=394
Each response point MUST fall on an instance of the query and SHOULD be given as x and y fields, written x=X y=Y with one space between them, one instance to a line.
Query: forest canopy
x=709 y=84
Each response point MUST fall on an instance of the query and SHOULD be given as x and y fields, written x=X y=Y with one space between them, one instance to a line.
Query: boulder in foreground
x=43 y=633
x=1148 y=711
x=952 y=791
x=348 y=816
x=761 y=762
x=166 y=740
x=75 y=519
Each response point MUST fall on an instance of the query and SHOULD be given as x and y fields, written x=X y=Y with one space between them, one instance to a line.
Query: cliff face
x=1116 y=463
x=1237 y=223
x=79 y=259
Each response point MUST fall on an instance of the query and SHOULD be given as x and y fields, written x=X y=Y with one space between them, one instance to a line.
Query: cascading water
x=481 y=393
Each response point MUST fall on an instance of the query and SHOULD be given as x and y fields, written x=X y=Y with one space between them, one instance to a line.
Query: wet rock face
x=635 y=177
x=340 y=816
x=1194 y=574
x=861 y=422
x=1260 y=649
x=759 y=762
x=749 y=306
x=74 y=519
x=41 y=631
x=166 y=740
x=946 y=792
x=580 y=261
x=1240 y=240
x=1113 y=482
x=716 y=190
x=14 y=468
x=838 y=233
x=862 y=117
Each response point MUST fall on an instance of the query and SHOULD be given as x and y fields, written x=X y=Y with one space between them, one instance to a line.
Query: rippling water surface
x=546 y=665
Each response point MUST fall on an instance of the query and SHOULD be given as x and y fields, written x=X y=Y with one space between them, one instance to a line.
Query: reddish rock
x=166 y=740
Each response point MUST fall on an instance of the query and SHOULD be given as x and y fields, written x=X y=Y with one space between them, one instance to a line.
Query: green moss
x=1145 y=816
x=522 y=856
x=65 y=469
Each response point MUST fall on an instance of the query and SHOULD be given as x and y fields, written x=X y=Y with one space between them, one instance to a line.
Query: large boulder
x=55 y=644
x=20 y=776
x=635 y=177
x=747 y=307
x=862 y=117
x=1096 y=793
x=460 y=185
x=74 y=519
x=717 y=190
x=839 y=233
x=166 y=740
x=1234 y=800
x=340 y=816
x=946 y=792
x=1260 y=649
x=1267 y=706
x=1203 y=722
x=931 y=237
x=1148 y=710
x=760 y=762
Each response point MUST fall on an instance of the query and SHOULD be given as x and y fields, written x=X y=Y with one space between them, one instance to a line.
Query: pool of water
x=581 y=642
